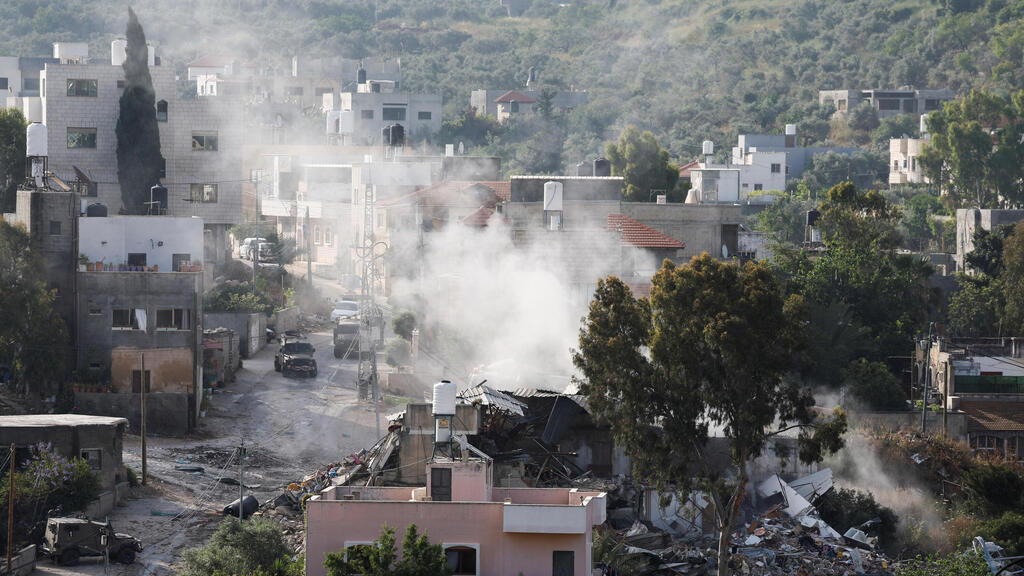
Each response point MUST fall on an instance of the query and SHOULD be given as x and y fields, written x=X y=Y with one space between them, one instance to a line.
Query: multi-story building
x=904 y=154
x=200 y=141
x=140 y=307
x=359 y=118
x=970 y=220
x=887 y=102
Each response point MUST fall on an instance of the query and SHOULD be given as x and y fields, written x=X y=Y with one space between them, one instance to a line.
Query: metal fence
x=989 y=385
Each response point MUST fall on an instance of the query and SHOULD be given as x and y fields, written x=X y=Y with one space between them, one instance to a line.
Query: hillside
x=688 y=70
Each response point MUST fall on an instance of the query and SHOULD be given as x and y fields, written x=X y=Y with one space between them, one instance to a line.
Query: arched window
x=328 y=236
x=161 y=111
x=461 y=559
x=316 y=235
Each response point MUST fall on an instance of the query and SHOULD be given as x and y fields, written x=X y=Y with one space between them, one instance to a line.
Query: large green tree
x=976 y=153
x=255 y=547
x=419 y=557
x=705 y=356
x=32 y=334
x=12 y=156
x=643 y=164
x=139 y=161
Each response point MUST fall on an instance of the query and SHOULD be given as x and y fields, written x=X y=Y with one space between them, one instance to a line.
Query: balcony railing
x=989 y=385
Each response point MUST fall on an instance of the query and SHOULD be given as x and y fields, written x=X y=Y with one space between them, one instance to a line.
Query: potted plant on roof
x=83 y=261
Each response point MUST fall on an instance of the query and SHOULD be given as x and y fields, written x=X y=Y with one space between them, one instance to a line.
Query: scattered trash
x=918 y=459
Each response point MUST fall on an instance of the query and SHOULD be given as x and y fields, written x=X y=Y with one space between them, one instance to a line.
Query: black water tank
x=96 y=211
x=602 y=167
x=584 y=168
x=397 y=135
x=361 y=75
x=812 y=217
x=157 y=194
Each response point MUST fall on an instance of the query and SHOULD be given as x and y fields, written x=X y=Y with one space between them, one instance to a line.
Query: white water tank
x=35 y=144
x=118 y=51
x=708 y=147
x=790 y=129
x=444 y=398
x=553 y=196
x=924 y=125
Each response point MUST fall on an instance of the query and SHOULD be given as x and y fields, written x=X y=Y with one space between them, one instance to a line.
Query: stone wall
x=167 y=414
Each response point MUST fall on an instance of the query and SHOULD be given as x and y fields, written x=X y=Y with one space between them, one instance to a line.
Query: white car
x=246 y=246
x=344 y=309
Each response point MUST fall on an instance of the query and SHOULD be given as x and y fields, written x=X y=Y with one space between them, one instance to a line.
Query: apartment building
x=359 y=118
x=887 y=102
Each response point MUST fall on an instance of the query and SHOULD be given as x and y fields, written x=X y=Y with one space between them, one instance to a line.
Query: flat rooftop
x=47 y=420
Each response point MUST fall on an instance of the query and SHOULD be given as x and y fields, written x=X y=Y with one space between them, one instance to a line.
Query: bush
x=874 y=385
x=1007 y=531
x=419 y=557
x=970 y=564
x=844 y=509
x=403 y=324
x=133 y=478
x=250 y=548
x=399 y=353
x=996 y=488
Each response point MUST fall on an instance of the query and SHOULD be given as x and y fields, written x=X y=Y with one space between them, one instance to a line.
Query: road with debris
x=289 y=426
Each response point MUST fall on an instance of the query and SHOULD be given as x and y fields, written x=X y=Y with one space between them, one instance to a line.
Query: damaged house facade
x=482 y=527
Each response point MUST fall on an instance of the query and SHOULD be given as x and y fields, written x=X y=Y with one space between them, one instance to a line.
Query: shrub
x=399 y=353
x=874 y=385
x=996 y=488
x=255 y=546
x=1007 y=531
x=844 y=509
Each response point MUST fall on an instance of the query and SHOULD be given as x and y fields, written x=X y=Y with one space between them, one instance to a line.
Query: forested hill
x=686 y=69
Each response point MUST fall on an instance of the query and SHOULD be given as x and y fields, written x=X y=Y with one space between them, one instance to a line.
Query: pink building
x=484 y=530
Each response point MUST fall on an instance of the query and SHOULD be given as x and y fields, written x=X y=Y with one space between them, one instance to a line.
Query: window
x=895 y=164
x=913 y=163
x=173 y=319
x=120 y=84
x=81 y=138
x=316 y=235
x=931 y=104
x=776 y=168
x=124 y=320
x=180 y=262
x=205 y=193
x=423 y=115
x=562 y=563
x=328 y=236
x=137 y=381
x=910 y=105
x=904 y=162
x=441 y=484
x=366 y=114
x=136 y=258
x=3 y=83
x=204 y=141
x=161 y=111
x=163 y=167
x=31 y=84
x=93 y=457
x=293 y=90
x=842 y=105
x=758 y=187
x=94 y=308
x=81 y=87
x=321 y=91
x=461 y=559
x=393 y=114
x=54 y=227
x=985 y=443
x=889 y=104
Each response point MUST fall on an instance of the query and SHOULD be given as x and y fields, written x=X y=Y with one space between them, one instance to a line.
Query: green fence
x=989 y=385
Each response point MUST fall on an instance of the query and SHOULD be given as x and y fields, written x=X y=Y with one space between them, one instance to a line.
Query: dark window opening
x=562 y=563
x=137 y=381
x=3 y=83
x=421 y=115
x=136 y=258
x=161 y=111
x=204 y=141
x=776 y=168
x=441 y=484
x=461 y=559
x=172 y=319
x=366 y=114
x=31 y=84
x=393 y=115
x=78 y=87
x=123 y=319
x=120 y=84
x=54 y=227
x=180 y=262
x=93 y=457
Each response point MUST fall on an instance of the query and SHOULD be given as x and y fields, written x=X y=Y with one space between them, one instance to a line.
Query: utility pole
x=370 y=316
x=143 y=380
x=10 y=515
x=241 y=486
x=309 y=252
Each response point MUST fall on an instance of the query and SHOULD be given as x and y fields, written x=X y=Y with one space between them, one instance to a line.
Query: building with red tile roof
x=640 y=235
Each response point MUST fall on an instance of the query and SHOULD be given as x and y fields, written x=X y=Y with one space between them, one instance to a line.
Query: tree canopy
x=643 y=164
x=12 y=155
x=670 y=372
x=419 y=557
x=139 y=162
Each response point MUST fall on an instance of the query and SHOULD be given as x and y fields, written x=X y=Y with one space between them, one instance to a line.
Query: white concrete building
x=142 y=241
x=904 y=167
x=744 y=180
x=358 y=118
x=200 y=140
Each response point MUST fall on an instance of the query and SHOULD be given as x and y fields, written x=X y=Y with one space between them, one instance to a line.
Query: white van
x=247 y=246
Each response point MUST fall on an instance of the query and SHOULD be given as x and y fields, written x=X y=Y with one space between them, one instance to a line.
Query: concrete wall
x=111 y=239
x=969 y=220
x=285 y=319
x=167 y=414
x=170 y=369
x=250 y=327
x=699 y=226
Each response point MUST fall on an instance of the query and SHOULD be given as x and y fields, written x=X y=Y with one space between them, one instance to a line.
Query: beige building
x=904 y=161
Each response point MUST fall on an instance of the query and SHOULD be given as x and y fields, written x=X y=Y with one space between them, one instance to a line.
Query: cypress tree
x=138 y=136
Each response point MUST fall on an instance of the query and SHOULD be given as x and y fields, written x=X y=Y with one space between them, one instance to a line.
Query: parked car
x=246 y=246
x=292 y=349
x=344 y=309
x=71 y=537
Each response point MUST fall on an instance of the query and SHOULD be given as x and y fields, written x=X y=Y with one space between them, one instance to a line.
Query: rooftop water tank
x=36 y=140
x=584 y=168
x=602 y=167
x=444 y=398
x=924 y=125
x=707 y=148
x=812 y=217
x=553 y=196
x=96 y=211
x=118 y=51
x=790 y=129
x=360 y=75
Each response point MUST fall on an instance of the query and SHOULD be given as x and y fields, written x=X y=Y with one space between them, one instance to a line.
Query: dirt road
x=289 y=428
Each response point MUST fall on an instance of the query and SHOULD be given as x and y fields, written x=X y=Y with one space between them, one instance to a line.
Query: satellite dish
x=725 y=251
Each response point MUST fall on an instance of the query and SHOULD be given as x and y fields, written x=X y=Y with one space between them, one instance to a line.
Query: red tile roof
x=448 y=193
x=212 y=61
x=994 y=416
x=684 y=170
x=640 y=235
x=478 y=218
x=514 y=96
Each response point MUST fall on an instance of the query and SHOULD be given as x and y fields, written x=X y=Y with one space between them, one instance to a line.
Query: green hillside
x=688 y=70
